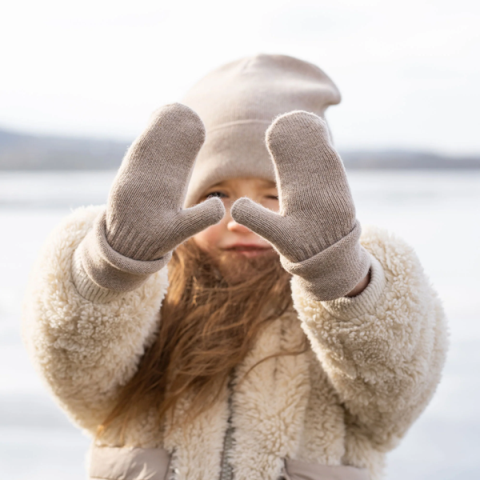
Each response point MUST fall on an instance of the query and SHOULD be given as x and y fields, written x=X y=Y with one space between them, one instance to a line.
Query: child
x=225 y=316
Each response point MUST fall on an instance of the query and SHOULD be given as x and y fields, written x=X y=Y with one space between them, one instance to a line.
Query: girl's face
x=228 y=236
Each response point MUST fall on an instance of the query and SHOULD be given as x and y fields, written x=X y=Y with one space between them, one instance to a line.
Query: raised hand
x=144 y=217
x=316 y=231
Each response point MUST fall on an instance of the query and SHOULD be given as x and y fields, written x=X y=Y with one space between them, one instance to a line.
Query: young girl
x=224 y=316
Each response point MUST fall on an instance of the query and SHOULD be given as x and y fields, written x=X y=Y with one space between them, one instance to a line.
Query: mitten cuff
x=101 y=274
x=348 y=308
x=335 y=271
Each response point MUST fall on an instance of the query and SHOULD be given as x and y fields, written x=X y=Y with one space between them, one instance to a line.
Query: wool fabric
x=238 y=101
x=144 y=219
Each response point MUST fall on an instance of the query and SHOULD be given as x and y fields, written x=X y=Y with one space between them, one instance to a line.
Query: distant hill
x=20 y=151
x=31 y=152
x=406 y=159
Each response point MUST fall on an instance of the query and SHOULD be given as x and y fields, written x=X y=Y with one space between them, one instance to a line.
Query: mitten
x=316 y=231
x=144 y=221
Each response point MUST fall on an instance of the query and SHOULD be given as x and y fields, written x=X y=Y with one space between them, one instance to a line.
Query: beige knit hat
x=238 y=101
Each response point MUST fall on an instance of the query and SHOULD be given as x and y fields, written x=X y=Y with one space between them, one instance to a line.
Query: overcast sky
x=408 y=71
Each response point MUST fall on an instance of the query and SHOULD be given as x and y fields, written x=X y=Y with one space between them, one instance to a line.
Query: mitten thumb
x=195 y=219
x=257 y=218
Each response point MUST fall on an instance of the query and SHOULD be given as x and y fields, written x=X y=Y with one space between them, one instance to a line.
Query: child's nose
x=235 y=227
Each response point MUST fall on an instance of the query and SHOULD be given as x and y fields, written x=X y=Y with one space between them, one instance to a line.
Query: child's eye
x=216 y=194
x=273 y=197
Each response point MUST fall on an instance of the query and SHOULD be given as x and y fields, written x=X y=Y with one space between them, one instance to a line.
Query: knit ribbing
x=101 y=274
x=86 y=286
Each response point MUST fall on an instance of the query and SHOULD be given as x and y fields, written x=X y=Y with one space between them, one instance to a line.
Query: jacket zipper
x=226 y=472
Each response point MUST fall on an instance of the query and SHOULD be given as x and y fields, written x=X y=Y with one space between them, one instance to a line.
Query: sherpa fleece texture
x=374 y=363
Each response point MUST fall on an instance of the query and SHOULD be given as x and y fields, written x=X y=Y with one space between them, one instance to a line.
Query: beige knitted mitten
x=315 y=232
x=144 y=220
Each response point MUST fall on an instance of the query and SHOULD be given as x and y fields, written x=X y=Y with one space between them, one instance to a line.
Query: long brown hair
x=212 y=313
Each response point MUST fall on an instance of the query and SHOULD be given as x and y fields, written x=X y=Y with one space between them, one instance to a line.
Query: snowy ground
x=436 y=212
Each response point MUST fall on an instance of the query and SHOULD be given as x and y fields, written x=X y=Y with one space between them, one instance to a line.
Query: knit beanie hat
x=237 y=102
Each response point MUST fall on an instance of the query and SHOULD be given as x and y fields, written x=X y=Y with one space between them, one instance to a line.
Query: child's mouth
x=249 y=250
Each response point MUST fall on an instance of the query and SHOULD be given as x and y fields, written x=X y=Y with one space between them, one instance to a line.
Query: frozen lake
x=438 y=213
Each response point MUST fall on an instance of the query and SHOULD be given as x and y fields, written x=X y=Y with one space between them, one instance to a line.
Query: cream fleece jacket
x=374 y=364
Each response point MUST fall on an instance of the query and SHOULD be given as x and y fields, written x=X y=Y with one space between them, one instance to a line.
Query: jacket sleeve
x=84 y=350
x=384 y=349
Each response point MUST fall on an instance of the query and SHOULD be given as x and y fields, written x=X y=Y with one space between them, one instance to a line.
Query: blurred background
x=79 y=81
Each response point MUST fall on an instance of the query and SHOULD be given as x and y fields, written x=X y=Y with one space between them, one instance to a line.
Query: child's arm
x=383 y=349
x=85 y=350
x=94 y=298
x=361 y=286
